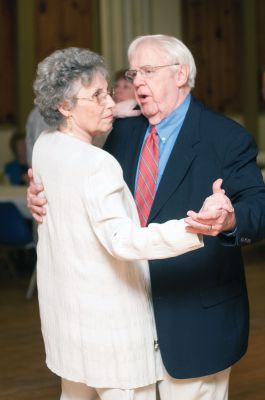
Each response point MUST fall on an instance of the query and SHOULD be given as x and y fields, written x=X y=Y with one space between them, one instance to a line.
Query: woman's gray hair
x=56 y=78
x=174 y=48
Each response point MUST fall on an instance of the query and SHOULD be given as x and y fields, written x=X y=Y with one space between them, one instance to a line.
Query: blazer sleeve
x=114 y=219
x=244 y=185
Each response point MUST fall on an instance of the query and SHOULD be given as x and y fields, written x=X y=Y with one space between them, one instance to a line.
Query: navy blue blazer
x=200 y=298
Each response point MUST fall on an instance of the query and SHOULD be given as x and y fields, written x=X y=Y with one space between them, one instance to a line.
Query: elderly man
x=200 y=299
x=170 y=156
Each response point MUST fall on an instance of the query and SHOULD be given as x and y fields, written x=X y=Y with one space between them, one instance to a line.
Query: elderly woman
x=93 y=285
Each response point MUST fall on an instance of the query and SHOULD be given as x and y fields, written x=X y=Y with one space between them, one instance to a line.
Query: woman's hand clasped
x=35 y=204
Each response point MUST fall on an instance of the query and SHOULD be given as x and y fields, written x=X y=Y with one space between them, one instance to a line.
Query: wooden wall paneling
x=261 y=31
x=46 y=28
x=211 y=30
x=63 y=24
x=7 y=64
x=260 y=4
x=77 y=23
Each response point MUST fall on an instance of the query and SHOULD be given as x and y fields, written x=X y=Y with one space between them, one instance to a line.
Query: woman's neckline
x=76 y=137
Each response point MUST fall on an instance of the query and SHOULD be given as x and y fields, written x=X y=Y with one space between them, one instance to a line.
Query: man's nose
x=138 y=79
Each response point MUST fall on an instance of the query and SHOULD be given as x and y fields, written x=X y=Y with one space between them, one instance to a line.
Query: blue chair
x=14 y=229
x=15 y=234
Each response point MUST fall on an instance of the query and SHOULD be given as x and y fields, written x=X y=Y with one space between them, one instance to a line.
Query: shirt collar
x=174 y=119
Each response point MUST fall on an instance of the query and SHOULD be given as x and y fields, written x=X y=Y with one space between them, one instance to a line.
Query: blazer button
x=156 y=345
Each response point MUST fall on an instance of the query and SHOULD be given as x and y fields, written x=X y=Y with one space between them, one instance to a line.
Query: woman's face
x=124 y=90
x=92 y=114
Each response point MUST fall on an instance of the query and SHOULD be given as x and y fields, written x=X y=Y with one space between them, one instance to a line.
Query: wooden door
x=260 y=10
x=212 y=31
x=65 y=23
x=7 y=61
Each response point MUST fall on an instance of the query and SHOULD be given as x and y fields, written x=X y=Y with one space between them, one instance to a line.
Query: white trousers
x=210 y=387
x=80 y=391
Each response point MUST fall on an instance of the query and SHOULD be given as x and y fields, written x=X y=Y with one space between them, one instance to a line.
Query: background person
x=123 y=89
x=95 y=305
x=35 y=124
x=125 y=103
x=16 y=170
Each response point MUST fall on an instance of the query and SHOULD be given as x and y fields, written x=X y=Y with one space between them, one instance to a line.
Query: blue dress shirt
x=168 y=130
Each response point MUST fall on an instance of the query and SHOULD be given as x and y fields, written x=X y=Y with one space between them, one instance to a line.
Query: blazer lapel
x=135 y=141
x=180 y=159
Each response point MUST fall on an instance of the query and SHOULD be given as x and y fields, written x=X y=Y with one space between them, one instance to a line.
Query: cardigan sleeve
x=114 y=219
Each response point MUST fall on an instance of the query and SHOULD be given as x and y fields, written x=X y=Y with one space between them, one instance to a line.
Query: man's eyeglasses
x=147 y=71
x=100 y=97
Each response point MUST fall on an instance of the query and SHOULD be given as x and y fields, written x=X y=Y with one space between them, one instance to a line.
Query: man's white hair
x=174 y=48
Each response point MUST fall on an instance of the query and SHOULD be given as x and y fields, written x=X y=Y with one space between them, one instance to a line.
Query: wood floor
x=23 y=373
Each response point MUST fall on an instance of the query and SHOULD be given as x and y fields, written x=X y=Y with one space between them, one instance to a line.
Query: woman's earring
x=69 y=123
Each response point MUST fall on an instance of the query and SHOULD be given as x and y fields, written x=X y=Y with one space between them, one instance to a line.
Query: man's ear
x=182 y=75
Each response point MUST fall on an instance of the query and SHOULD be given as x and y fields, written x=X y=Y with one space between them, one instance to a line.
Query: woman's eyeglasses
x=100 y=96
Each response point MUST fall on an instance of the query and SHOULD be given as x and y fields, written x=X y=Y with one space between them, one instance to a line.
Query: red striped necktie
x=147 y=176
